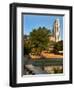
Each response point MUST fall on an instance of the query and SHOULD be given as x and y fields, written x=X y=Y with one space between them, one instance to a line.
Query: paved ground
x=36 y=70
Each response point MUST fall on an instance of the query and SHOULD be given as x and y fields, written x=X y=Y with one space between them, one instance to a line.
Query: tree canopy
x=58 y=46
x=40 y=38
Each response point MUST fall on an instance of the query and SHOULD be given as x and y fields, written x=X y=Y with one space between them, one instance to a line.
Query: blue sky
x=34 y=21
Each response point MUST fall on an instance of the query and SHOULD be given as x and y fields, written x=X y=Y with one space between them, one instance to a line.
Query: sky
x=35 y=21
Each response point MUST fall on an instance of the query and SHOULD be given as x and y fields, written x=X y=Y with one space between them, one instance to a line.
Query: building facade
x=56 y=31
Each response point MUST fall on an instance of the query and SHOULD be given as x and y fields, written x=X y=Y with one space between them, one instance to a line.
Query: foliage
x=58 y=70
x=58 y=46
x=27 y=47
x=39 y=39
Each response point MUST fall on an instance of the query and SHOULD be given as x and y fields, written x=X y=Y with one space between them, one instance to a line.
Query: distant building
x=55 y=36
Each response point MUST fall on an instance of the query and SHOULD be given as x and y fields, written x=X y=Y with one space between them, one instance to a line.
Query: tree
x=58 y=47
x=27 y=46
x=39 y=39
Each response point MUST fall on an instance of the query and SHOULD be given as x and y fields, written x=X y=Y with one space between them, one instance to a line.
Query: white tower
x=57 y=30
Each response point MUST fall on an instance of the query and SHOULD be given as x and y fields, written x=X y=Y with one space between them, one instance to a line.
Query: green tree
x=39 y=39
x=58 y=47
x=27 y=46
